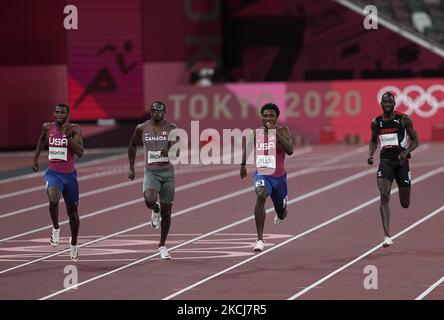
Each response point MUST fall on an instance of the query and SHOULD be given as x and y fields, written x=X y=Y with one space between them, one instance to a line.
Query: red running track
x=213 y=232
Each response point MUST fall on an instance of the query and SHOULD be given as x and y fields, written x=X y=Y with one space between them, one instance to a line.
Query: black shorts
x=395 y=169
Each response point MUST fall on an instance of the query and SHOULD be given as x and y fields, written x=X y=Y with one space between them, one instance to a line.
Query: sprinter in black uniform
x=397 y=139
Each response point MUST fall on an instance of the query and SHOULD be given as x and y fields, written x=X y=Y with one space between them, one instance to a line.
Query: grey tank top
x=154 y=142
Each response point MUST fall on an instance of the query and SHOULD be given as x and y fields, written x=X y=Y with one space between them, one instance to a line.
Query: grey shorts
x=162 y=181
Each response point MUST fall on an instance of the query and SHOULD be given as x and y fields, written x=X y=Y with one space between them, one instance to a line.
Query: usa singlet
x=270 y=157
x=60 y=156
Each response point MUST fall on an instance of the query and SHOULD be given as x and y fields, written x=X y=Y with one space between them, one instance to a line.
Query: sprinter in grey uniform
x=158 y=181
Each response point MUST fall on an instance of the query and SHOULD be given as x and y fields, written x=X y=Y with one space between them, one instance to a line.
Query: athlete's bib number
x=156 y=157
x=388 y=140
x=263 y=161
x=55 y=153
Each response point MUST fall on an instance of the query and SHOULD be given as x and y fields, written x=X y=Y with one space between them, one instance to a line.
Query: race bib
x=58 y=153
x=156 y=157
x=263 y=161
x=389 y=140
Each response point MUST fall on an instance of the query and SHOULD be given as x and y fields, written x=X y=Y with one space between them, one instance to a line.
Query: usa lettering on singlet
x=154 y=142
x=269 y=155
x=392 y=135
x=60 y=156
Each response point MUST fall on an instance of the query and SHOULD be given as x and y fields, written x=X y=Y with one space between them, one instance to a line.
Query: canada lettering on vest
x=160 y=138
x=265 y=146
x=58 y=141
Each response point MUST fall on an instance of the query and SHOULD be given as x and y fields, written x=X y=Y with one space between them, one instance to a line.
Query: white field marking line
x=430 y=289
x=181 y=188
x=342 y=215
x=215 y=200
x=330 y=275
x=297 y=199
x=430 y=215
x=99 y=174
x=128 y=203
x=128 y=183
x=80 y=165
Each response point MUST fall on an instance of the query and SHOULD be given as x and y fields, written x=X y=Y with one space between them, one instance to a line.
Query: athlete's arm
x=408 y=124
x=41 y=143
x=165 y=153
x=284 y=139
x=373 y=142
x=132 y=149
x=74 y=135
x=249 y=146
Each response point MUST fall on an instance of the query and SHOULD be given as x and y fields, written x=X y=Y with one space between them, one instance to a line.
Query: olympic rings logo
x=425 y=98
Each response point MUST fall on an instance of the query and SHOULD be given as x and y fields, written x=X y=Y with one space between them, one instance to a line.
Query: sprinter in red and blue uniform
x=271 y=144
x=64 y=141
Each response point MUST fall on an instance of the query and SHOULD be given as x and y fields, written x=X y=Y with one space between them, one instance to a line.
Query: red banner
x=308 y=109
x=105 y=60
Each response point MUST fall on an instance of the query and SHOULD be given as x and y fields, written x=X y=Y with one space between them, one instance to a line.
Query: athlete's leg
x=54 y=189
x=54 y=195
x=280 y=197
x=259 y=211
x=385 y=187
x=404 y=196
x=150 y=197
x=74 y=222
x=151 y=188
x=165 y=212
x=71 y=196
x=403 y=179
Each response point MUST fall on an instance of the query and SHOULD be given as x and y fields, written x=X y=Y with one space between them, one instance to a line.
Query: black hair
x=387 y=94
x=63 y=106
x=158 y=104
x=270 y=106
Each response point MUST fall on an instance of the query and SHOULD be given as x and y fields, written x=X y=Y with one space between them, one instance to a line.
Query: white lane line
x=430 y=215
x=317 y=227
x=204 y=204
x=297 y=199
x=430 y=289
x=100 y=190
x=80 y=165
x=330 y=275
x=128 y=203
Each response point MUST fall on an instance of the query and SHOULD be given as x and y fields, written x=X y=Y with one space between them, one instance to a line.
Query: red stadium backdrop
x=342 y=107
x=105 y=60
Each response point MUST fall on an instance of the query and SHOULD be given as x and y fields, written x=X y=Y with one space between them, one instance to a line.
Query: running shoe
x=259 y=246
x=55 y=236
x=387 y=242
x=155 y=217
x=277 y=220
x=164 y=255
x=74 y=252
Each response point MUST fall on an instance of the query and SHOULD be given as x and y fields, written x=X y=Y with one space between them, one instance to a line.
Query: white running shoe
x=55 y=237
x=164 y=255
x=74 y=253
x=387 y=242
x=259 y=246
x=155 y=218
x=277 y=220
